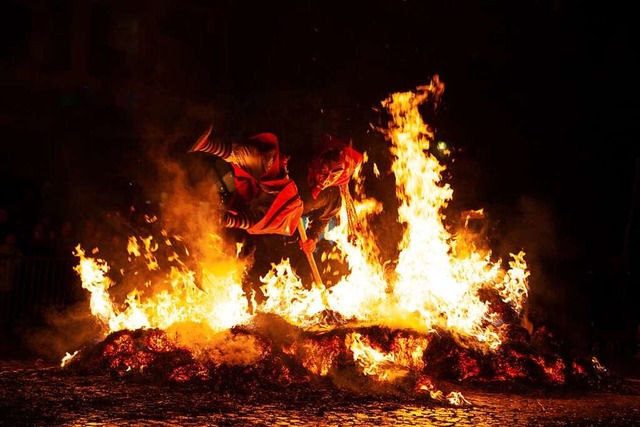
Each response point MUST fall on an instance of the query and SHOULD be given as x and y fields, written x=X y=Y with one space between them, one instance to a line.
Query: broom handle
x=310 y=258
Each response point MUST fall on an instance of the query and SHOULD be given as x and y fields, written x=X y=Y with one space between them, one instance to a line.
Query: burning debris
x=365 y=360
x=445 y=314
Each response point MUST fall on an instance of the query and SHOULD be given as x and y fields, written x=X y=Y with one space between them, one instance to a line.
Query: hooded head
x=333 y=165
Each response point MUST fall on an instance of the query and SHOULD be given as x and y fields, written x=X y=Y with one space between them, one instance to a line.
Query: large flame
x=433 y=285
x=436 y=284
x=218 y=303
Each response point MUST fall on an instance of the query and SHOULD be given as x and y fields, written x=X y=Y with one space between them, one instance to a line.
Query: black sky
x=541 y=96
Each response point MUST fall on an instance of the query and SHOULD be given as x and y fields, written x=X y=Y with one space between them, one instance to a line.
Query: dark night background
x=540 y=107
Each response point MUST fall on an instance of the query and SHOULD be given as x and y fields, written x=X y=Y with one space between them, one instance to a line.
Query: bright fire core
x=434 y=284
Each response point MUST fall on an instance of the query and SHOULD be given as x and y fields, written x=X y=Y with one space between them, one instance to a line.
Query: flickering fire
x=67 y=358
x=386 y=366
x=434 y=287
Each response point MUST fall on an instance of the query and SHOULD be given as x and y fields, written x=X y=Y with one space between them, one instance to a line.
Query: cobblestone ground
x=37 y=394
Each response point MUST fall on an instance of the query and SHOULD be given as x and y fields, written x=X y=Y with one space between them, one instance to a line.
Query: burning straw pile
x=443 y=313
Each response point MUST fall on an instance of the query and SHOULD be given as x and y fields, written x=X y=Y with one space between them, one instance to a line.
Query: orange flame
x=406 y=356
x=435 y=285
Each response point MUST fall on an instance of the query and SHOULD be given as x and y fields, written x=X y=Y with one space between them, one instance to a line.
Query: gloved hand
x=308 y=246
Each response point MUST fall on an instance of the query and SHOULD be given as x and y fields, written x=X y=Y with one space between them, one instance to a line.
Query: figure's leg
x=205 y=144
x=242 y=220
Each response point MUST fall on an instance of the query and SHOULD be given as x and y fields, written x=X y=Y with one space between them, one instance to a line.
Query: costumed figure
x=328 y=180
x=265 y=199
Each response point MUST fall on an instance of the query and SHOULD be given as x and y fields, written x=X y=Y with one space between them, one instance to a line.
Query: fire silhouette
x=442 y=311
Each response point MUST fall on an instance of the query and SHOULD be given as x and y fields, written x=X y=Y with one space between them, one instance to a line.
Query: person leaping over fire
x=265 y=200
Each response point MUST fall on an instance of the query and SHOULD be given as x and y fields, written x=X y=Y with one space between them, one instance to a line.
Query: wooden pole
x=310 y=258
